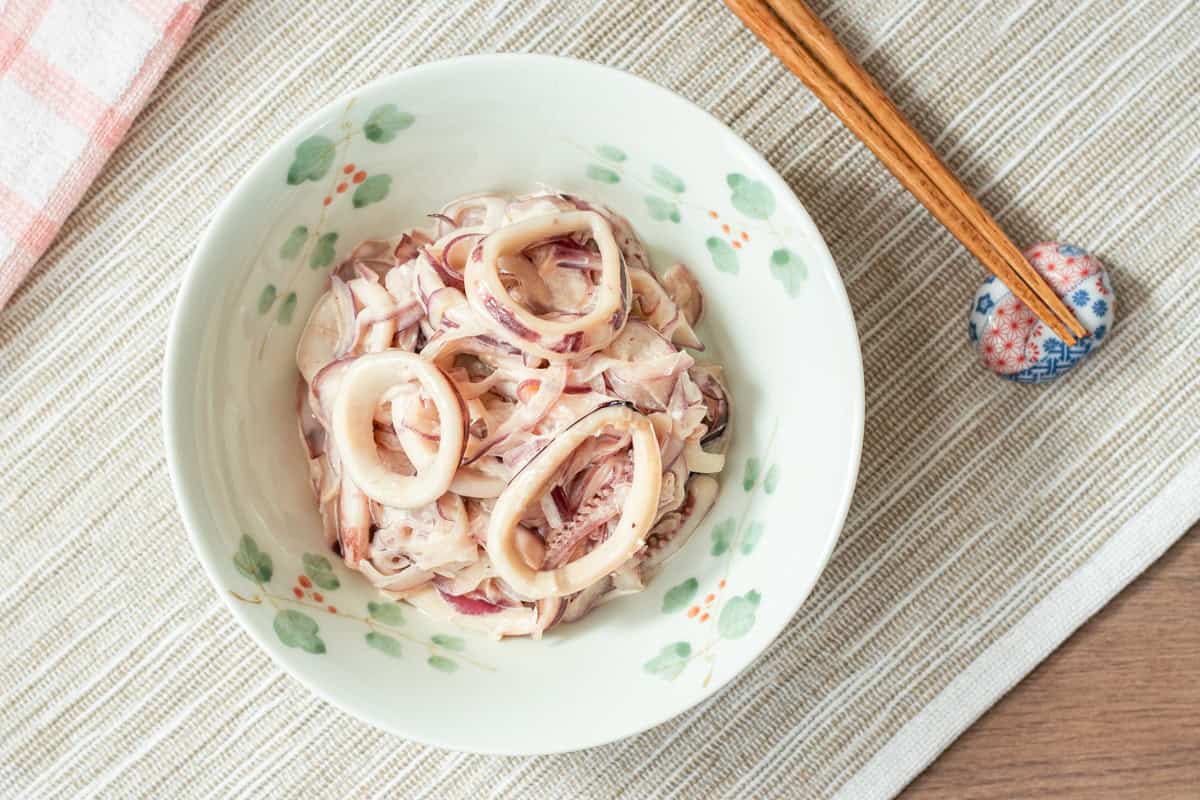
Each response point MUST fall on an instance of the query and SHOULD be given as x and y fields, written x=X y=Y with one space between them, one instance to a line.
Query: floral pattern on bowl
x=295 y=614
x=732 y=615
x=753 y=200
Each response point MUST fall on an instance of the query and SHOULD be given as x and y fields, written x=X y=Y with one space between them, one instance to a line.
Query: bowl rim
x=187 y=314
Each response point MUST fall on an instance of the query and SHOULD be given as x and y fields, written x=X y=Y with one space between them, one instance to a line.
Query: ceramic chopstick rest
x=1014 y=344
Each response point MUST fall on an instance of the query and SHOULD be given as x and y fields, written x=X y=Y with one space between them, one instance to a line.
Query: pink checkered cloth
x=73 y=76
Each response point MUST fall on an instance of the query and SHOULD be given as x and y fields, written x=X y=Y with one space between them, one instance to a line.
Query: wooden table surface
x=1113 y=713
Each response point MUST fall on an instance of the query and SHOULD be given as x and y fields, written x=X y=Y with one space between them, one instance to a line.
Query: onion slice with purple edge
x=637 y=513
x=549 y=387
x=363 y=386
x=520 y=621
x=555 y=340
x=343 y=302
x=321 y=337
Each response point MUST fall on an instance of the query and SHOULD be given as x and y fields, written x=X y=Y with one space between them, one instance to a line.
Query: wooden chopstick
x=825 y=47
x=938 y=190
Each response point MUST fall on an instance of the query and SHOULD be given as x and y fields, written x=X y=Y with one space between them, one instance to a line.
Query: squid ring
x=556 y=340
x=637 y=513
x=366 y=381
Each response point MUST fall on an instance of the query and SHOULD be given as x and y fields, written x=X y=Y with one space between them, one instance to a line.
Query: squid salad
x=505 y=416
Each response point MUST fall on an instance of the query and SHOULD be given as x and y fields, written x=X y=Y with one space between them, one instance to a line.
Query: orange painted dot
x=721 y=585
x=304 y=581
x=317 y=596
x=341 y=187
x=332 y=609
x=725 y=228
x=737 y=244
x=297 y=591
x=359 y=177
x=704 y=617
x=709 y=599
x=328 y=200
x=745 y=236
x=712 y=214
x=693 y=611
x=348 y=169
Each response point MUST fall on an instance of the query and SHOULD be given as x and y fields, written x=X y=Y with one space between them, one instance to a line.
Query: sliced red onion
x=312 y=434
x=472 y=606
x=684 y=290
x=506 y=318
x=406 y=579
x=319 y=341
x=371 y=250
x=583 y=602
x=324 y=388
x=568 y=255
x=406 y=249
x=442 y=218
x=361 y=270
x=343 y=302
x=448 y=276
x=447 y=244
x=551 y=382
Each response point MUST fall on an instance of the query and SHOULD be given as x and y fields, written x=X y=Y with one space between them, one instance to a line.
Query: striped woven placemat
x=990 y=518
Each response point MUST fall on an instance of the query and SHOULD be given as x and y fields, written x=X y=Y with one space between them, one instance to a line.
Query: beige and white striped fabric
x=990 y=519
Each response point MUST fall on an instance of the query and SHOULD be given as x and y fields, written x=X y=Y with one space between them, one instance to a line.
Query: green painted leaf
x=750 y=476
x=737 y=617
x=788 y=269
x=772 y=480
x=387 y=613
x=670 y=661
x=449 y=642
x=312 y=160
x=293 y=243
x=754 y=532
x=723 y=255
x=385 y=122
x=314 y=563
x=722 y=536
x=610 y=152
x=442 y=663
x=750 y=197
x=385 y=644
x=602 y=174
x=678 y=597
x=324 y=253
x=662 y=209
x=287 y=308
x=667 y=179
x=266 y=298
x=297 y=629
x=372 y=190
x=252 y=562
x=321 y=571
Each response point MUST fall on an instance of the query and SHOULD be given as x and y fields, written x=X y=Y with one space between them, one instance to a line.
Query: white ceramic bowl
x=776 y=315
